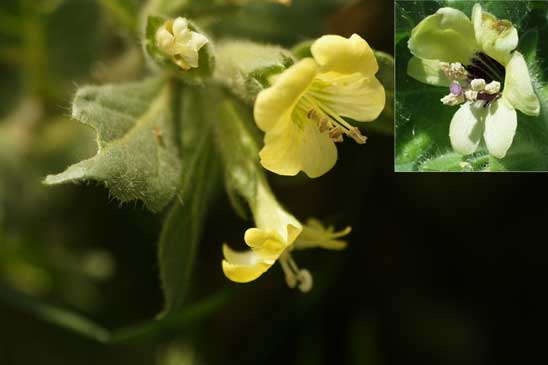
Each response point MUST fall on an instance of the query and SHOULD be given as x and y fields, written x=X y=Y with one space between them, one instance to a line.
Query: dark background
x=440 y=269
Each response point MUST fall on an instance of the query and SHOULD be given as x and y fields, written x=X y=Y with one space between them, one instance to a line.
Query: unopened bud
x=175 y=39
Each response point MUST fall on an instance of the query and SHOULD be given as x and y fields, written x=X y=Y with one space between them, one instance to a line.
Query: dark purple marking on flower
x=484 y=67
x=488 y=98
x=456 y=89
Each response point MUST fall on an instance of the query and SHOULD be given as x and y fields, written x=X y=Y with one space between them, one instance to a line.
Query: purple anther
x=456 y=89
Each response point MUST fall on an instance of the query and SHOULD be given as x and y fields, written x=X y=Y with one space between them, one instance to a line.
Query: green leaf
x=183 y=226
x=206 y=61
x=138 y=157
x=237 y=144
x=303 y=49
x=124 y=12
x=244 y=66
x=422 y=122
x=275 y=23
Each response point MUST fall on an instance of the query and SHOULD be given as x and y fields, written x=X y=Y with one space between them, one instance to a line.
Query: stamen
x=305 y=281
x=329 y=118
x=471 y=95
x=336 y=134
x=477 y=84
x=290 y=277
x=357 y=135
x=322 y=121
x=483 y=82
x=294 y=276
x=323 y=124
x=452 y=100
x=312 y=114
x=492 y=88
x=454 y=71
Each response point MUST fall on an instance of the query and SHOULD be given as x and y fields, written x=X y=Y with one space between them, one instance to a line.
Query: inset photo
x=471 y=86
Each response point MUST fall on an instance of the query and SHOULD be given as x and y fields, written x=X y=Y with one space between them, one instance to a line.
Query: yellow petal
x=447 y=35
x=497 y=38
x=242 y=267
x=427 y=71
x=466 y=128
x=298 y=146
x=500 y=128
x=267 y=245
x=277 y=102
x=518 y=89
x=355 y=96
x=269 y=215
x=346 y=56
x=314 y=234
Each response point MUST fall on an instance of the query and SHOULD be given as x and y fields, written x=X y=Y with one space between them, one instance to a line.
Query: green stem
x=34 y=51
x=9 y=25
x=123 y=14
x=82 y=326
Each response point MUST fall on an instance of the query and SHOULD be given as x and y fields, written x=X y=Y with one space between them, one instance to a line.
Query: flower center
x=485 y=67
x=481 y=80
x=310 y=108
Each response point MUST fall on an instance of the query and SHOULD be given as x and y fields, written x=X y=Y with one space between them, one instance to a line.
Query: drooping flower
x=277 y=234
x=302 y=112
x=178 y=41
x=486 y=76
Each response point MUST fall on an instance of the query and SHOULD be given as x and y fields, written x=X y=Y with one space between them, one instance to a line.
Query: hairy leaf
x=237 y=144
x=244 y=66
x=138 y=157
x=182 y=228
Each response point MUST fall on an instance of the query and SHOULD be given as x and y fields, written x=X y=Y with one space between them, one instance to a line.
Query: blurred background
x=439 y=269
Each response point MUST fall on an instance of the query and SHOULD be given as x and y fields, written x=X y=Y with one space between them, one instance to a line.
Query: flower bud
x=178 y=41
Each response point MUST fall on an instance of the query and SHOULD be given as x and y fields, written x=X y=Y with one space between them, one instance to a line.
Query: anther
x=305 y=280
x=291 y=280
x=336 y=134
x=312 y=114
x=492 y=88
x=452 y=99
x=323 y=124
x=477 y=84
x=357 y=135
x=454 y=71
x=471 y=95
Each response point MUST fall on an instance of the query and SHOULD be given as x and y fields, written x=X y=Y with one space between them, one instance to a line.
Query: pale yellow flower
x=489 y=79
x=302 y=112
x=276 y=235
x=178 y=41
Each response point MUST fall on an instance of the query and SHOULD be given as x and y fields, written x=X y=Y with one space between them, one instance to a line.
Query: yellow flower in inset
x=302 y=112
x=276 y=235
x=476 y=58
x=175 y=39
